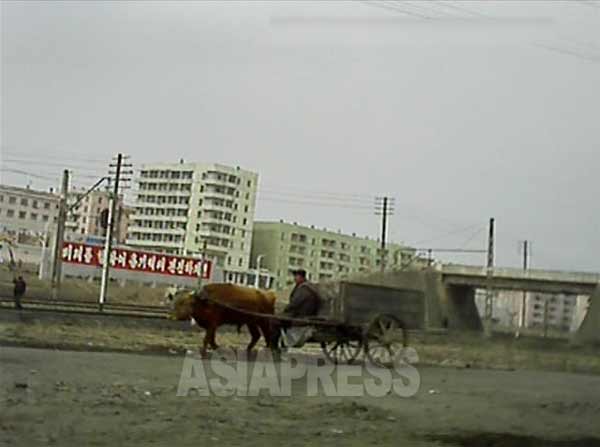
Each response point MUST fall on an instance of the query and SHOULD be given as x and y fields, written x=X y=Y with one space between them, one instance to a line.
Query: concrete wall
x=589 y=331
x=446 y=306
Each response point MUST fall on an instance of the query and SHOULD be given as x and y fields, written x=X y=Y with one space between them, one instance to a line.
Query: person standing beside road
x=19 y=291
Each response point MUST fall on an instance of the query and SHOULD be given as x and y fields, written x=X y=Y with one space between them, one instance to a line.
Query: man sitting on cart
x=305 y=301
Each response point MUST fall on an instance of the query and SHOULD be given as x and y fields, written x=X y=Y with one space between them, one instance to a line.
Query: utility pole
x=257 y=278
x=546 y=309
x=123 y=174
x=112 y=211
x=489 y=299
x=204 y=244
x=60 y=236
x=523 y=308
x=384 y=208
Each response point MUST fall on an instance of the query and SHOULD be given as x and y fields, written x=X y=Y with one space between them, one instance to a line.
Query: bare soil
x=65 y=398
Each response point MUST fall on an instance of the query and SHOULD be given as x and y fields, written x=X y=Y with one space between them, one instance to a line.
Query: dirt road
x=67 y=398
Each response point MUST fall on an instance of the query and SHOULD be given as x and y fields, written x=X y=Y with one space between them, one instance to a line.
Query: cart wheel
x=385 y=337
x=342 y=351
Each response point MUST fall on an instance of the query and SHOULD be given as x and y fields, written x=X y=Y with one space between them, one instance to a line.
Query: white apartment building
x=85 y=219
x=324 y=254
x=184 y=208
x=560 y=312
x=25 y=210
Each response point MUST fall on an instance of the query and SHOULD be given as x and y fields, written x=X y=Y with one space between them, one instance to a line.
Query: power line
x=442 y=236
x=49 y=164
x=453 y=6
x=418 y=7
x=382 y=5
x=473 y=236
x=55 y=155
x=28 y=174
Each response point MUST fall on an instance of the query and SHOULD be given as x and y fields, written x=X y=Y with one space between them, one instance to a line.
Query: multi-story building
x=24 y=210
x=283 y=247
x=192 y=208
x=556 y=311
x=86 y=218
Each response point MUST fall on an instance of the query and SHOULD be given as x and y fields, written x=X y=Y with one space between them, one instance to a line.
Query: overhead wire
x=445 y=235
x=381 y=5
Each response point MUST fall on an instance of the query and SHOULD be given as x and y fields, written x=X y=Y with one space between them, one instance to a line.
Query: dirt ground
x=65 y=398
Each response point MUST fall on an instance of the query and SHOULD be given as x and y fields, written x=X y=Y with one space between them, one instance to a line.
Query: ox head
x=182 y=303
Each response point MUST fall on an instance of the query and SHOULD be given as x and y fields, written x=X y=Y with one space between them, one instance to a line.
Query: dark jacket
x=20 y=287
x=304 y=301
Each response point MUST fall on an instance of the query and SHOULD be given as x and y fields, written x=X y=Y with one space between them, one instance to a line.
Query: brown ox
x=204 y=309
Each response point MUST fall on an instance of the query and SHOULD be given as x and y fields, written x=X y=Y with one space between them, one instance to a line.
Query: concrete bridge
x=449 y=292
x=546 y=281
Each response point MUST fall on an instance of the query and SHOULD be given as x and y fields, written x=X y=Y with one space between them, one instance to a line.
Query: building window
x=249 y=183
x=34 y=204
x=24 y=202
x=33 y=216
x=46 y=205
x=22 y=214
x=240 y=261
x=12 y=200
x=10 y=213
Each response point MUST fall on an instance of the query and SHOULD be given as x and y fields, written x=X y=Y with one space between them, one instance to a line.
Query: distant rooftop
x=315 y=228
x=27 y=191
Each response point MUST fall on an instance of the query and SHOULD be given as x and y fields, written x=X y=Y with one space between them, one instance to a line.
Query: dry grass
x=81 y=290
x=460 y=351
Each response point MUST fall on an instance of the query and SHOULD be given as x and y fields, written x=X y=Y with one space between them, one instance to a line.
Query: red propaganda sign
x=137 y=261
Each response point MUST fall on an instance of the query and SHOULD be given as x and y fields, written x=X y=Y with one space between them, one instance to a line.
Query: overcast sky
x=459 y=110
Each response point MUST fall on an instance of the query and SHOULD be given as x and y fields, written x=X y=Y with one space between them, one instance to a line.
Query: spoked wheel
x=385 y=337
x=342 y=351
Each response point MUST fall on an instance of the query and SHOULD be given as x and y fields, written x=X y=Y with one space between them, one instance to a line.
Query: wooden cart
x=364 y=319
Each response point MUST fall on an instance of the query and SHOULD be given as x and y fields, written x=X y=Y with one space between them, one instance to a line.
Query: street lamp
x=257 y=278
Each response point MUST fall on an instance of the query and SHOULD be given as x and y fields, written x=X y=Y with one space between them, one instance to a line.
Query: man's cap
x=300 y=272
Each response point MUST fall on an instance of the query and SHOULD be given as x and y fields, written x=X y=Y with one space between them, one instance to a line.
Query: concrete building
x=324 y=254
x=186 y=208
x=506 y=306
x=560 y=310
x=581 y=309
x=565 y=312
x=86 y=218
x=24 y=210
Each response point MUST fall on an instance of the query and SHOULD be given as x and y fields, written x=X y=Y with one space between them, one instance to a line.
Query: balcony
x=212 y=180
x=216 y=195
x=165 y=192
x=214 y=207
x=147 y=243
x=157 y=217
x=173 y=231
x=146 y=204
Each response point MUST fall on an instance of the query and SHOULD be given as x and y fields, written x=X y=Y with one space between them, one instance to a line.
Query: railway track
x=87 y=307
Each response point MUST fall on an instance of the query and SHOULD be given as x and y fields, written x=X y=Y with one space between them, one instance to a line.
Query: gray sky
x=460 y=110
